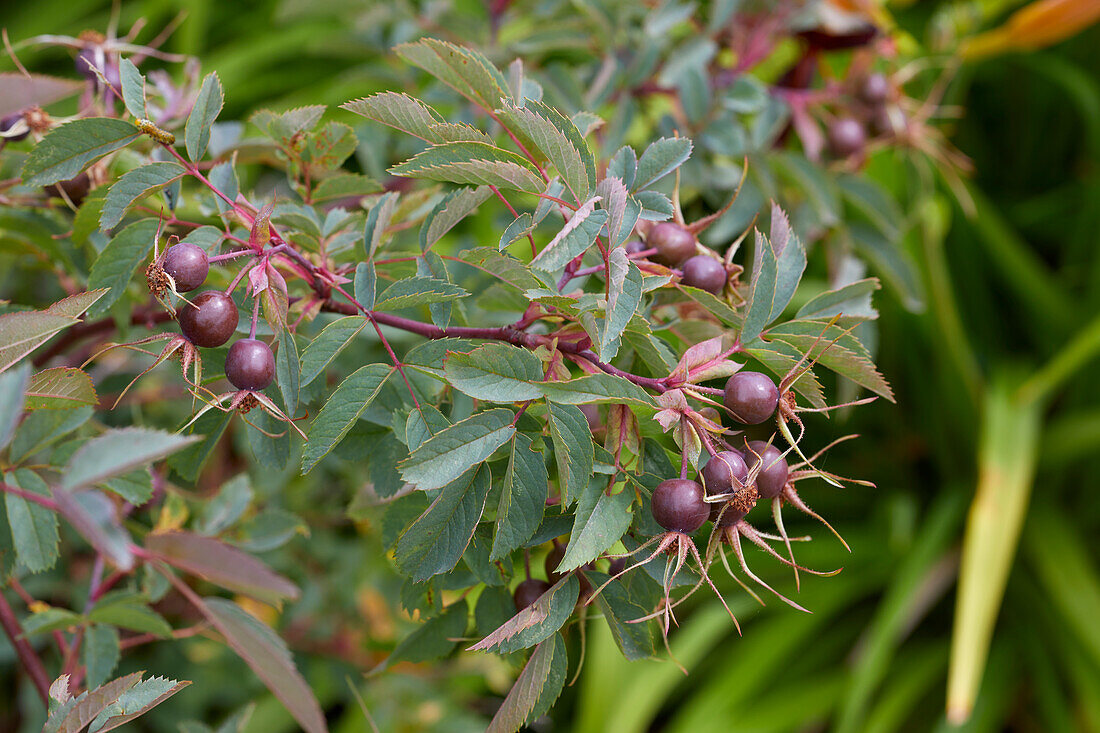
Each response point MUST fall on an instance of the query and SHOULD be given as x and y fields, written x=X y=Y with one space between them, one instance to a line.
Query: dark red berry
x=528 y=592
x=674 y=244
x=250 y=365
x=751 y=397
x=187 y=264
x=635 y=246
x=772 y=476
x=725 y=472
x=874 y=89
x=553 y=559
x=678 y=505
x=705 y=273
x=210 y=319
x=11 y=121
x=846 y=137
x=731 y=516
x=75 y=189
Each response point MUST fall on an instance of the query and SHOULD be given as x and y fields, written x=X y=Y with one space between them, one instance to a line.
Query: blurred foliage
x=987 y=331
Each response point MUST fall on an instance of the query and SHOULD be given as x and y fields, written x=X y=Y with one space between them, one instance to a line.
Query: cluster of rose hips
x=873 y=109
x=731 y=482
x=210 y=318
x=680 y=504
x=673 y=245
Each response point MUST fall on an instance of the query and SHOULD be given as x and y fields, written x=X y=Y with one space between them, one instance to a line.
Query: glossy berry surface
x=635 y=246
x=528 y=592
x=874 y=89
x=751 y=397
x=773 y=472
x=210 y=319
x=846 y=137
x=728 y=518
x=187 y=264
x=705 y=273
x=673 y=243
x=250 y=364
x=678 y=505
x=725 y=472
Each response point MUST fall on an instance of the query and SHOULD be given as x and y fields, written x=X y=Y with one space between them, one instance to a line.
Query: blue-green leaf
x=341 y=411
x=13 y=385
x=207 y=107
x=33 y=527
x=133 y=185
x=436 y=638
x=474 y=163
x=659 y=159
x=101 y=653
x=73 y=146
x=451 y=452
x=414 y=291
x=573 y=449
x=522 y=498
x=116 y=263
x=453 y=208
x=435 y=542
x=536 y=622
x=575 y=237
x=778 y=266
x=133 y=88
x=119 y=451
x=598 y=388
x=331 y=341
x=495 y=372
x=599 y=523
x=537 y=687
x=365 y=284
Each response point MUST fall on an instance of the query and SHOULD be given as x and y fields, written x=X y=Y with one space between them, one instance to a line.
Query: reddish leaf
x=221 y=564
x=268 y=657
x=261 y=228
x=89 y=706
x=60 y=387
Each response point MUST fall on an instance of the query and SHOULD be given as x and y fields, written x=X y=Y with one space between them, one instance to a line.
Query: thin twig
x=29 y=658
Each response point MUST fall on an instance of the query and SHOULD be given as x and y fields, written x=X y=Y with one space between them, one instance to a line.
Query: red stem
x=373 y=318
x=501 y=333
x=31 y=496
x=28 y=599
x=32 y=663
x=145 y=317
x=515 y=214
x=176 y=634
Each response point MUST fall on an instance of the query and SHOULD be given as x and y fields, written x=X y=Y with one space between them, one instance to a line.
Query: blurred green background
x=997 y=399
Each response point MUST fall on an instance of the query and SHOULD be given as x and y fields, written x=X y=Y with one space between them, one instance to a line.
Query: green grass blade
x=1006 y=466
x=1071 y=581
x=906 y=595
